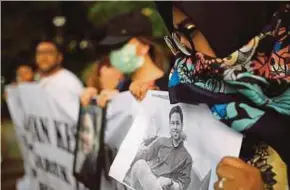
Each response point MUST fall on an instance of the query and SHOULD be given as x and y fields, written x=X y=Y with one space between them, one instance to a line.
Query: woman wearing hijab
x=234 y=58
x=140 y=61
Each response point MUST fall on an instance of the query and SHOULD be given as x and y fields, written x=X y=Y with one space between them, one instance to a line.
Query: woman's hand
x=233 y=173
x=105 y=96
x=140 y=88
x=87 y=95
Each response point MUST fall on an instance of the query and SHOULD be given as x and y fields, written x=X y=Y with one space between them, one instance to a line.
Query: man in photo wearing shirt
x=165 y=163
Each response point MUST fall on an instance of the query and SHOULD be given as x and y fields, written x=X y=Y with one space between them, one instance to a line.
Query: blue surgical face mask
x=126 y=59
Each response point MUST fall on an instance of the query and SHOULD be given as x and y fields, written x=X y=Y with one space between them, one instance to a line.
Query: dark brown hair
x=176 y=109
x=156 y=52
x=93 y=78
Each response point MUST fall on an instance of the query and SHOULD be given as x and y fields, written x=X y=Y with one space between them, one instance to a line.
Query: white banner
x=173 y=145
x=46 y=134
x=120 y=113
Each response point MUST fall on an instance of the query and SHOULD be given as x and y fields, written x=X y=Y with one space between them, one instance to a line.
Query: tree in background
x=100 y=12
x=23 y=23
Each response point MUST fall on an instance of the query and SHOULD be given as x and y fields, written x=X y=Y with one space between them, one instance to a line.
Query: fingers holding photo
x=233 y=173
x=87 y=95
x=139 y=89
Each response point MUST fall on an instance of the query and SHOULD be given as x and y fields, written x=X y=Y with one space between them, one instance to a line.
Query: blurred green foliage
x=101 y=12
x=85 y=72
x=20 y=25
x=9 y=142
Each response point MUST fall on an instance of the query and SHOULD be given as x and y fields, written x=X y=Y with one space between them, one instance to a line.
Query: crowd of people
x=220 y=59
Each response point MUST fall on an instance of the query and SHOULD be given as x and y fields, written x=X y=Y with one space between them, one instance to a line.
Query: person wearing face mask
x=100 y=72
x=135 y=59
x=234 y=58
x=139 y=58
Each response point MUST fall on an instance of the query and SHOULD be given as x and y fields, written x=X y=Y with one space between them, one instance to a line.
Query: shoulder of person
x=70 y=80
x=164 y=140
x=187 y=155
x=63 y=81
x=70 y=77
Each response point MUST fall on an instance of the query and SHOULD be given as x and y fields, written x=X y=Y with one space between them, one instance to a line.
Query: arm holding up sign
x=87 y=95
x=104 y=80
x=140 y=88
x=105 y=95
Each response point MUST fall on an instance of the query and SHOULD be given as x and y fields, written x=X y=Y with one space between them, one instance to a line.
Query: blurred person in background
x=105 y=81
x=24 y=73
x=140 y=58
x=233 y=54
x=49 y=62
x=143 y=60
x=60 y=83
x=101 y=72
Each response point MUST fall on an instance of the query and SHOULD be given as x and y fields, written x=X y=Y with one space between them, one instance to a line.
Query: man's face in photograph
x=175 y=126
x=87 y=134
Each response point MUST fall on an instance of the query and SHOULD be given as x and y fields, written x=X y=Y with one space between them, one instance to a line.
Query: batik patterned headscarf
x=249 y=91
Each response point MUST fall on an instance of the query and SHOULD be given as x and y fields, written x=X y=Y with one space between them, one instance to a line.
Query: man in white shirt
x=60 y=83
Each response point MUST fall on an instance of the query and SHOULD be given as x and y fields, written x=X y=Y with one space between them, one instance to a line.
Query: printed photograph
x=88 y=138
x=159 y=153
x=163 y=162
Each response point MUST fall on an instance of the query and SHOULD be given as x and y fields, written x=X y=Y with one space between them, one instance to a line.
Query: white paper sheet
x=208 y=140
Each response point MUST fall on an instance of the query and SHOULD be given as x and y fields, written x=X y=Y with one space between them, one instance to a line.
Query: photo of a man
x=87 y=134
x=156 y=154
x=88 y=144
x=164 y=163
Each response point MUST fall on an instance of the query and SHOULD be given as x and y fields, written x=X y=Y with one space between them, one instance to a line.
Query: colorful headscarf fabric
x=248 y=90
